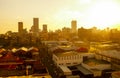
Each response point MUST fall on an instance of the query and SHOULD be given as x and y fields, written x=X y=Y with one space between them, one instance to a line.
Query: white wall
x=68 y=60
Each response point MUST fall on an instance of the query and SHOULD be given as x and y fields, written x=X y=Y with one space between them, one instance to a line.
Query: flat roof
x=94 y=62
x=83 y=70
x=66 y=70
x=69 y=53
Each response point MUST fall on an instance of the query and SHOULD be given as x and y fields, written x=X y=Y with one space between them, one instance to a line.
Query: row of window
x=70 y=57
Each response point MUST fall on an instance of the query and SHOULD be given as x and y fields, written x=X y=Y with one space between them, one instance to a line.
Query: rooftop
x=70 y=53
x=93 y=62
x=83 y=70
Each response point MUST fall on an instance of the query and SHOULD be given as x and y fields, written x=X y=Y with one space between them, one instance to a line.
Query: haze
x=59 y=13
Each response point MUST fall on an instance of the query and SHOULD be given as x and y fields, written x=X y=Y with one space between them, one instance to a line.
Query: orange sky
x=59 y=13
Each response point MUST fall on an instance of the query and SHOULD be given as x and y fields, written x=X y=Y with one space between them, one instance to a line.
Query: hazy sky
x=59 y=13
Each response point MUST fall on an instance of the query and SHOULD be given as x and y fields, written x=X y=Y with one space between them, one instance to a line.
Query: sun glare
x=84 y=1
x=102 y=15
x=67 y=15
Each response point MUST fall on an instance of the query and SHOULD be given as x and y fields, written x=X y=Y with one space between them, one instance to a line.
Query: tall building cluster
x=35 y=26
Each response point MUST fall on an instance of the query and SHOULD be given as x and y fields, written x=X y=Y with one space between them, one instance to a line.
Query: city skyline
x=59 y=14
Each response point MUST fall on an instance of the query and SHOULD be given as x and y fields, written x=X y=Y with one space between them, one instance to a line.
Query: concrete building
x=111 y=56
x=36 y=24
x=74 y=26
x=45 y=28
x=96 y=66
x=35 y=27
x=67 y=58
x=20 y=27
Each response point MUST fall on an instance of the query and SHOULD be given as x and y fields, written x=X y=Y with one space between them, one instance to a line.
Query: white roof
x=69 y=53
x=111 y=53
x=65 y=70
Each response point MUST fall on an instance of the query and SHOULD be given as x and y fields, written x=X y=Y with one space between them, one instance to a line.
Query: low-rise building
x=67 y=58
x=96 y=66
x=111 y=56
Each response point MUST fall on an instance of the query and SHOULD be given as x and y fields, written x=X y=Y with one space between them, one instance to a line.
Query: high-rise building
x=74 y=26
x=44 y=27
x=20 y=27
x=36 y=24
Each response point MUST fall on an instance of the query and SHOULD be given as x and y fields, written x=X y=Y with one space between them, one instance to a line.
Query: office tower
x=74 y=26
x=44 y=27
x=20 y=27
x=36 y=24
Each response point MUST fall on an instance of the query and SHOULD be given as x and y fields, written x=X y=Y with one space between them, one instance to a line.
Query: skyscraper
x=36 y=24
x=44 y=27
x=20 y=27
x=74 y=26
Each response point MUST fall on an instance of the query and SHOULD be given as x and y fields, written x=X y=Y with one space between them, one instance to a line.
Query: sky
x=59 y=13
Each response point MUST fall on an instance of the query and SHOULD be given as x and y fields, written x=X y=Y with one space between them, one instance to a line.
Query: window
x=75 y=63
x=64 y=58
x=61 y=58
x=69 y=57
x=68 y=63
x=61 y=64
x=78 y=57
x=75 y=57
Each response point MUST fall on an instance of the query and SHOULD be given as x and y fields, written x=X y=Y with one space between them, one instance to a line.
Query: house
x=9 y=61
x=33 y=52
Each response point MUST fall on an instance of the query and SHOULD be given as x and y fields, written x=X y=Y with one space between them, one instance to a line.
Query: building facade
x=45 y=28
x=20 y=27
x=67 y=58
x=74 y=26
x=35 y=27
